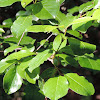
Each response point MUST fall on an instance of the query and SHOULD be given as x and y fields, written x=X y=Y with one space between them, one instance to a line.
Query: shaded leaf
x=80 y=48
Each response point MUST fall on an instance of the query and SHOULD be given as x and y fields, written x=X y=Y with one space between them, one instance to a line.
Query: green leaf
x=79 y=84
x=8 y=22
x=19 y=55
x=4 y=3
x=32 y=93
x=96 y=4
x=32 y=77
x=56 y=87
x=57 y=42
x=47 y=9
x=4 y=65
x=96 y=14
x=25 y=40
x=73 y=10
x=86 y=6
x=20 y=25
x=82 y=20
x=10 y=49
x=24 y=3
x=12 y=81
x=66 y=22
x=82 y=27
x=75 y=33
x=89 y=62
x=68 y=59
x=48 y=73
x=80 y=48
x=41 y=28
x=67 y=50
x=1 y=30
x=39 y=59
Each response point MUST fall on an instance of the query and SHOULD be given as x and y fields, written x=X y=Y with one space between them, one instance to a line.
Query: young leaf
x=79 y=84
x=39 y=59
x=80 y=48
x=56 y=87
x=12 y=81
x=57 y=42
x=20 y=25
x=4 y=3
x=47 y=9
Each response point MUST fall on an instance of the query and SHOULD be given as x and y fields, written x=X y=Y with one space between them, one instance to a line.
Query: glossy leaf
x=83 y=47
x=88 y=62
x=4 y=65
x=56 y=87
x=12 y=81
x=4 y=3
x=57 y=42
x=39 y=59
x=79 y=84
x=19 y=55
x=20 y=25
x=47 y=9
x=24 y=3
x=1 y=30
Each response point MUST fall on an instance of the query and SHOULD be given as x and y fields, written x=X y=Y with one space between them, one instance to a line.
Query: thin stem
x=44 y=43
x=21 y=38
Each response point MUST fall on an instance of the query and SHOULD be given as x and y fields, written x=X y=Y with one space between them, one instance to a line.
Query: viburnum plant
x=24 y=58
